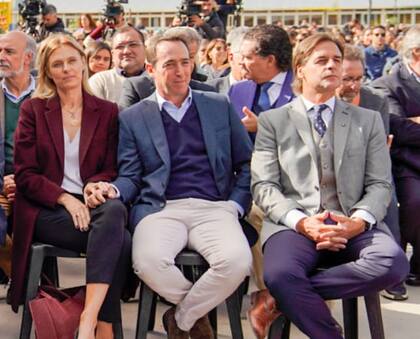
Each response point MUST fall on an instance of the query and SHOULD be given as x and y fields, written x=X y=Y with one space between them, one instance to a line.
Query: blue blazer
x=243 y=94
x=144 y=159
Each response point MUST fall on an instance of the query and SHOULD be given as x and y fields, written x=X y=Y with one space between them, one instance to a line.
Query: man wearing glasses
x=377 y=54
x=128 y=57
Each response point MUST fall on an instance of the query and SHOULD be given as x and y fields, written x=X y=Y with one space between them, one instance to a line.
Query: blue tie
x=264 y=99
x=319 y=124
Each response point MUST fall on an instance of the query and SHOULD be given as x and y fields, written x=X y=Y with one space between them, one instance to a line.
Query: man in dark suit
x=184 y=168
x=352 y=91
x=267 y=60
x=402 y=88
x=320 y=208
x=137 y=88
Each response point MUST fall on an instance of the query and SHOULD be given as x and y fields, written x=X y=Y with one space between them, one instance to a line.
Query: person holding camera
x=51 y=23
x=208 y=24
x=114 y=21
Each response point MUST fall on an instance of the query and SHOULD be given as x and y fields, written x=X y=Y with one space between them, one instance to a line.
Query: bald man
x=17 y=54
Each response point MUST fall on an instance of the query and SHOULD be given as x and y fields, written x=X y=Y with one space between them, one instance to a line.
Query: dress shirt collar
x=412 y=73
x=275 y=89
x=22 y=95
x=279 y=78
x=309 y=104
x=175 y=112
x=232 y=80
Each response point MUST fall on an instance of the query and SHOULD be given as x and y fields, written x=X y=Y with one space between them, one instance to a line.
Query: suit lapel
x=90 y=119
x=286 y=93
x=341 y=120
x=299 y=117
x=207 y=127
x=154 y=123
x=55 y=126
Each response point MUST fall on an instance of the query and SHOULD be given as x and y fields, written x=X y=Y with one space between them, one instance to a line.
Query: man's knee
x=282 y=278
x=236 y=263
x=387 y=263
x=149 y=262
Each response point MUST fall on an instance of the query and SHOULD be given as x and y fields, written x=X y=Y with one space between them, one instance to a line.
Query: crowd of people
x=273 y=150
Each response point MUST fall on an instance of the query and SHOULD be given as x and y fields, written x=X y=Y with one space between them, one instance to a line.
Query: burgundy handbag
x=56 y=313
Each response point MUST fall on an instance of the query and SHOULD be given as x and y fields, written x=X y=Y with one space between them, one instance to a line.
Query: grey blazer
x=373 y=99
x=285 y=174
x=222 y=85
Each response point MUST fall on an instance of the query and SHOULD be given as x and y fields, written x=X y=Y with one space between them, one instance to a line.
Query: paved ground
x=401 y=319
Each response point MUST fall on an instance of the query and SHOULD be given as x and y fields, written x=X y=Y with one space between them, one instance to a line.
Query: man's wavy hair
x=304 y=51
x=272 y=40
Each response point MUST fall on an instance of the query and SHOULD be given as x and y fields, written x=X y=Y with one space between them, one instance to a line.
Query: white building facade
x=159 y=13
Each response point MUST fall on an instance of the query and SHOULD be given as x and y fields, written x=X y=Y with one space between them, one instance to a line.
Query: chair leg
x=34 y=274
x=234 y=312
x=213 y=321
x=350 y=318
x=118 y=331
x=280 y=328
x=144 y=312
x=373 y=310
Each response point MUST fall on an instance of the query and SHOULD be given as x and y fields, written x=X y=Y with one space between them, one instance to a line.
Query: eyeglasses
x=130 y=45
x=380 y=34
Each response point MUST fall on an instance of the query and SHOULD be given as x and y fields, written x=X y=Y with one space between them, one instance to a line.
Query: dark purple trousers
x=409 y=198
x=371 y=262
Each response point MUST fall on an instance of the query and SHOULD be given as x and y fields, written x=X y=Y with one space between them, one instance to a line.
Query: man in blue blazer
x=184 y=160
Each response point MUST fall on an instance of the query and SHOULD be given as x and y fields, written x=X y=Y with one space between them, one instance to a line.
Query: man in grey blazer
x=184 y=168
x=321 y=173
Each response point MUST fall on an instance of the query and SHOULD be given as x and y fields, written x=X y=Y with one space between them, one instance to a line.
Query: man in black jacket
x=51 y=23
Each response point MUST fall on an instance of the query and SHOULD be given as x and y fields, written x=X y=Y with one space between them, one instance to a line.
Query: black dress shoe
x=413 y=279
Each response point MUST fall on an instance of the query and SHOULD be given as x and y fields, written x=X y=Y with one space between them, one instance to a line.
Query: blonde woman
x=65 y=143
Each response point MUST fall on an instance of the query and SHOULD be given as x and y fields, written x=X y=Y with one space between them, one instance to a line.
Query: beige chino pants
x=210 y=228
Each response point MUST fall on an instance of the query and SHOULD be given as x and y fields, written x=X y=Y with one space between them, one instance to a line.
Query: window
x=332 y=19
x=261 y=20
x=155 y=22
x=345 y=18
x=249 y=21
x=289 y=20
x=317 y=19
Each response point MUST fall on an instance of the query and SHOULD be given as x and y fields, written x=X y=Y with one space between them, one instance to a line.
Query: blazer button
x=316 y=188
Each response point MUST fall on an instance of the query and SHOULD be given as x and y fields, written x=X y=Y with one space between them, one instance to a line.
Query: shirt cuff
x=292 y=218
x=239 y=208
x=117 y=191
x=365 y=215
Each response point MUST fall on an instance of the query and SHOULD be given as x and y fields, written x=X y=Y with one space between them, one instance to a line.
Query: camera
x=112 y=10
x=29 y=11
x=187 y=9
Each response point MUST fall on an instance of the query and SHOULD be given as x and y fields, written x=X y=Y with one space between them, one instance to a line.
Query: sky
x=81 y=6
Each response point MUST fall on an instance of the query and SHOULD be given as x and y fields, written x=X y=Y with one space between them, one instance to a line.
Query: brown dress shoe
x=262 y=313
x=202 y=329
x=171 y=327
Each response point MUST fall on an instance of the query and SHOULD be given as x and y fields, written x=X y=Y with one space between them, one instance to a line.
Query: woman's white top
x=72 y=182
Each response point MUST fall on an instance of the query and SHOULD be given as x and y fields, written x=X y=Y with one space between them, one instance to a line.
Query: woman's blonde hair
x=45 y=85
x=212 y=44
